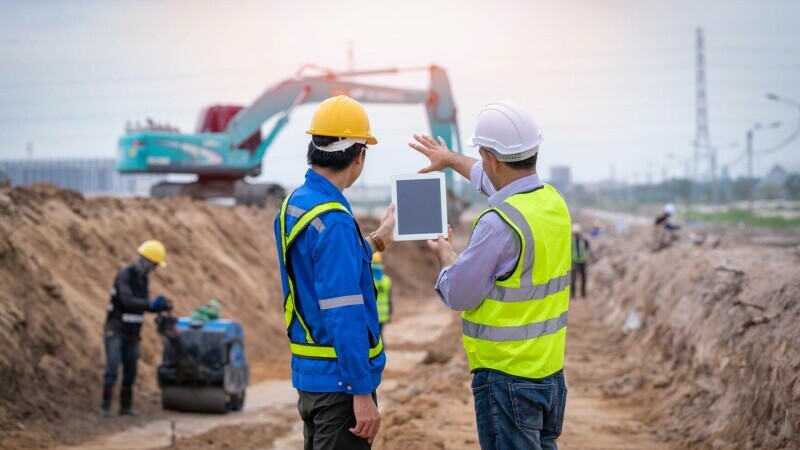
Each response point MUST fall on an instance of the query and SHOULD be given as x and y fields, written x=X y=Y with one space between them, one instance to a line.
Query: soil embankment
x=718 y=338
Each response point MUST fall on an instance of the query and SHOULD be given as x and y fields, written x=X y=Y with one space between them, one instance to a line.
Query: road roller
x=203 y=367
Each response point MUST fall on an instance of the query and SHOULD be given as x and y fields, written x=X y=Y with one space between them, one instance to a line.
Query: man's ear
x=493 y=161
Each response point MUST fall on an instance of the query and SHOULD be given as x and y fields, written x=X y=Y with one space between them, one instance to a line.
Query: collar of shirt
x=523 y=184
x=319 y=183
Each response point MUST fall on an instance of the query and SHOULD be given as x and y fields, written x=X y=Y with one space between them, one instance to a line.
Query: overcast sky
x=611 y=82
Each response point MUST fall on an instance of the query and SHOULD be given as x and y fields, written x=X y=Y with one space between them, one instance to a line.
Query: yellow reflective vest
x=520 y=328
x=384 y=288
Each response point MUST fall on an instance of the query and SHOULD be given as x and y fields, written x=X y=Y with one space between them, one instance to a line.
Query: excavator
x=229 y=144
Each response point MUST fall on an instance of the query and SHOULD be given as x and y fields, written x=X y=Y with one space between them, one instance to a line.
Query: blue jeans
x=515 y=413
x=124 y=352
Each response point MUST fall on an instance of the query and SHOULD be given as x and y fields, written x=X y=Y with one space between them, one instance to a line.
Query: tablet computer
x=420 y=206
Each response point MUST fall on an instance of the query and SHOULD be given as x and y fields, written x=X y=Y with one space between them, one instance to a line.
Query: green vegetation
x=735 y=216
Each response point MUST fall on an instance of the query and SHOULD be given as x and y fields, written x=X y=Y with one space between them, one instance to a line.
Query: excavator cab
x=215 y=119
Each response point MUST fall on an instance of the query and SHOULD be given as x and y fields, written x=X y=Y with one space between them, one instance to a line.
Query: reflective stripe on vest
x=384 y=287
x=308 y=349
x=578 y=250
x=520 y=328
x=133 y=318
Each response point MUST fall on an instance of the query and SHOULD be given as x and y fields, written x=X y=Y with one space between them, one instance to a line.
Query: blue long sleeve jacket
x=335 y=294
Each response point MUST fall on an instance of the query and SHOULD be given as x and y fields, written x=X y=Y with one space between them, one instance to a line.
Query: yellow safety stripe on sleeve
x=314 y=351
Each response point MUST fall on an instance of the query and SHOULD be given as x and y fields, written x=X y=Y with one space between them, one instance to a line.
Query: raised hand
x=437 y=152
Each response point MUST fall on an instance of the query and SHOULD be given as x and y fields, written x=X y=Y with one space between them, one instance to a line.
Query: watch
x=379 y=245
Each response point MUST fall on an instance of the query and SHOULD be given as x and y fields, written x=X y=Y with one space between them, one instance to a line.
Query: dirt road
x=411 y=396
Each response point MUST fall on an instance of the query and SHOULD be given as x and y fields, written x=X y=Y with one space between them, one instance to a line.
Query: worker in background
x=210 y=311
x=580 y=251
x=598 y=229
x=126 y=308
x=330 y=309
x=664 y=231
x=663 y=219
x=512 y=281
x=383 y=284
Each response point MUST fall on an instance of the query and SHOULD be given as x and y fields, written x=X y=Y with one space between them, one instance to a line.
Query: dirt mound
x=58 y=256
x=234 y=437
x=59 y=252
x=719 y=327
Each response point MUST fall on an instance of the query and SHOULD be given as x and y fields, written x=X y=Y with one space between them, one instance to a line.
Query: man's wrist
x=446 y=259
x=385 y=235
x=378 y=242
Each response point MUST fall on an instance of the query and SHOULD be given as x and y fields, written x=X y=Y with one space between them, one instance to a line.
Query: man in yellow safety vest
x=383 y=284
x=512 y=281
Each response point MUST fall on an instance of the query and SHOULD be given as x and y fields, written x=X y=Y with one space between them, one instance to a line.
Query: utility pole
x=750 y=181
x=750 y=177
x=702 y=140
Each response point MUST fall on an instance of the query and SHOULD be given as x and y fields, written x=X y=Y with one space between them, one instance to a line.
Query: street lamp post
x=715 y=176
x=751 y=179
x=778 y=98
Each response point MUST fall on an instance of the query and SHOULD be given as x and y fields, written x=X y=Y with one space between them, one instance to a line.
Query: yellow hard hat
x=377 y=258
x=341 y=116
x=154 y=251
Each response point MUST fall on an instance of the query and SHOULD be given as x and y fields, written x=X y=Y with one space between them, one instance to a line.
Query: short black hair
x=336 y=161
x=525 y=164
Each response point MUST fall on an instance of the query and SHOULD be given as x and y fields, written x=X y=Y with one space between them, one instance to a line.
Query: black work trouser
x=578 y=270
x=124 y=352
x=327 y=419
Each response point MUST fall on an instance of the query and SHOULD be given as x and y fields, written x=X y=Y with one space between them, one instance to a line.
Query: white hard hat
x=508 y=129
x=669 y=208
x=576 y=228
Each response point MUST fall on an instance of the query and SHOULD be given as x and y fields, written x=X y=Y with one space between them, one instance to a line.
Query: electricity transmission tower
x=702 y=140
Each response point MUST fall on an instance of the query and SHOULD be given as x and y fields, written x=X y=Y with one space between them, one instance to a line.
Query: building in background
x=561 y=178
x=87 y=176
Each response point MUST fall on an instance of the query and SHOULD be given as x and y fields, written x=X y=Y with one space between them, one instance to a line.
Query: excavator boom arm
x=283 y=97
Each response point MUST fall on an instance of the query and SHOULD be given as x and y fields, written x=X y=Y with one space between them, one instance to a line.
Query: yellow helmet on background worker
x=342 y=117
x=154 y=251
x=377 y=258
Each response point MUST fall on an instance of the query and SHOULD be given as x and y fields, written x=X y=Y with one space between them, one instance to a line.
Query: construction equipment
x=229 y=144
x=203 y=366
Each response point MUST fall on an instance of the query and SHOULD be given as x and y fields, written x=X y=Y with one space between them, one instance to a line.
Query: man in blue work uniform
x=511 y=283
x=330 y=307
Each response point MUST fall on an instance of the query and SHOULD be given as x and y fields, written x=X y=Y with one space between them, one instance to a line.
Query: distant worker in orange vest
x=383 y=284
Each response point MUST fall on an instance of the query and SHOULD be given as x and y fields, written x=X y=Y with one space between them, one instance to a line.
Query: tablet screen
x=419 y=206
